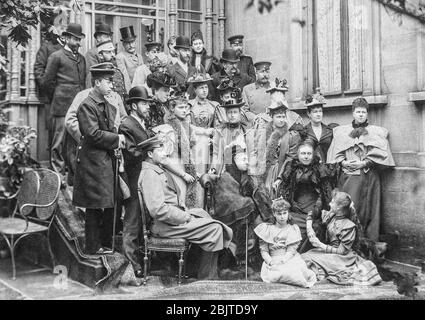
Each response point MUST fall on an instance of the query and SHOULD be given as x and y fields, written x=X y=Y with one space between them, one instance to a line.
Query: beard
x=74 y=47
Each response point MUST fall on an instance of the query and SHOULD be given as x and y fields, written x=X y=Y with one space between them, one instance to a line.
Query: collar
x=155 y=167
x=66 y=48
x=96 y=96
x=362 y=125
x=140 y=121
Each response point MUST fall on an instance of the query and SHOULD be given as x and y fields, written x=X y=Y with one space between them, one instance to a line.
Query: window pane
x=357 y=21
x=328 y=17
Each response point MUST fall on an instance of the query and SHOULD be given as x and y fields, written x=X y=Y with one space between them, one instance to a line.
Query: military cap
x=150 y=144
x=278 y=85
x=105 y=46
x=262 y=65
x=102 y=70
x=236 y=38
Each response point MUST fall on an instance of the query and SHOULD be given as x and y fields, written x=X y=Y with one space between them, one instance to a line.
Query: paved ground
x=46 y=285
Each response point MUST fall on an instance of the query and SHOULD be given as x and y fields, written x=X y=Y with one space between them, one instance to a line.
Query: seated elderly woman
x=237 y=198
x=337 y=260
x=306 y=184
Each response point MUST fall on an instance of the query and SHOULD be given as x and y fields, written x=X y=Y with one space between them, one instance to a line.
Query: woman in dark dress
x=306 y=184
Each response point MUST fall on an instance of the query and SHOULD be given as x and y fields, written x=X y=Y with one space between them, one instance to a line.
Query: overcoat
x=68 y=72
x=94 y=176
x=246 y=65
x=128 y=63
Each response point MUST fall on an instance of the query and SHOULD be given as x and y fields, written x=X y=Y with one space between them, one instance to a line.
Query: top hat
x=315 y=100
x=161 y=79
x=199 y=78
x=103 y=28
x=138 y=93
x=150 y=144
x=197 y=35
x=262 y=65
x=226 y=84
x=236 y=39
x=278 y=85
x=127 y=34
x=235 y=100
x=150 y=45
x=105 y=46
x=182 y=43
x=229 y=55
x=102 y=70
x=74 y=29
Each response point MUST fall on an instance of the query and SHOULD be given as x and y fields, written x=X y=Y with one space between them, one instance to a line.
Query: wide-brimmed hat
x=105 y=46
x=229 y=55
x=282 y=105
x=74 y=29
x=235 y=100
x=236 y=39
x=102 y=28
x=182 y=43
x=150 y=144
x=199 y=78
x=278 y=85
x=315 y=100
x=102 y=70
x=226 y=84
x=162 y=79
x=138 y=93
x=127 y=34
x=150 y=45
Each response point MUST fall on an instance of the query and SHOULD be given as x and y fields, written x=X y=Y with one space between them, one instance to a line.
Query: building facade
x=347 y=48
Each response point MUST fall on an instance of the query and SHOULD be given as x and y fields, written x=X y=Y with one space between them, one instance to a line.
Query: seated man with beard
x=239 y=199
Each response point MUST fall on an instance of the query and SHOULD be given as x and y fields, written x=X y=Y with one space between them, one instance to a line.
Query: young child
x=278 y=244
x=338 y=261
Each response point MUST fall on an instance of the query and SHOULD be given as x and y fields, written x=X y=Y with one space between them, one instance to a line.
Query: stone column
x=173 y=18
x=15 y=69
x=209 y=27
x=33 y=46
x=221 y=27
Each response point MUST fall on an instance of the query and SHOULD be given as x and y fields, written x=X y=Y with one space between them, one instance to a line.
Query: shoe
x=103 y=251
x=138 y=273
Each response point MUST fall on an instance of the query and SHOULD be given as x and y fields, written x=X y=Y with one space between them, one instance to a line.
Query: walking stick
x=246 y=250
x=117 y=164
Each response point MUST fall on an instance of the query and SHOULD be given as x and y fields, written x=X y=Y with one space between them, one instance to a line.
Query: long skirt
x=365 y=191
x=349 y=269
x=271 y=177
x=293 y=272
x=201 y=154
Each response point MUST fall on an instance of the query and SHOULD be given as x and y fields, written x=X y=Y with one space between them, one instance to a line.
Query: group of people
x=174 y=124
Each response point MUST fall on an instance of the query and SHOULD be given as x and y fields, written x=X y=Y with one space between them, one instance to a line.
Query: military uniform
x=256 y=97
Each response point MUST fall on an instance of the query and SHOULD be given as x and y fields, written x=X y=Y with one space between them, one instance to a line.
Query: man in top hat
x=95 y=164
x=229 y=61
x=103 y=33
x=135 y=130
x=245 y=64
x=66 y=69
x=172 y=219
x=255 y=95
x=153 y=49
x=182 y=70
x=230 y=134
x=128 y=59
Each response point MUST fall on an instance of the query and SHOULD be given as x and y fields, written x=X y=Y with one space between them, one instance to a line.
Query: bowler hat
x=229 y=55
x=150 y=45
x=103 y=28
x=182 y=43
x=235 y=100
x=278 y=85
x=150 y=144
x=102 y=70
x=262 y=65
x=127 y=34
x=74 y=29
x=138 y=93
x=236 y=38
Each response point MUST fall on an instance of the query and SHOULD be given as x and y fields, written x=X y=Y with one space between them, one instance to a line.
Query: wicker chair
x=180 y=246
x=38 y=194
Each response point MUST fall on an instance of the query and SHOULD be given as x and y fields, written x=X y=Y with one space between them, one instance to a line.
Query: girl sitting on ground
x=278 y=244
x=338 y=261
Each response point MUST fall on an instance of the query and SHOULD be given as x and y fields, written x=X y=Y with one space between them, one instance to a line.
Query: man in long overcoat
x=66 y=68
x=171 y=218
x=94 y=173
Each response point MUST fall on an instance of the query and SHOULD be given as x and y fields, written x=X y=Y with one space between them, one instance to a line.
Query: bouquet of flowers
x=14 y=154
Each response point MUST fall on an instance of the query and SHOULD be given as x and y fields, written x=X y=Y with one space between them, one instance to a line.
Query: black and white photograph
x=221 y=152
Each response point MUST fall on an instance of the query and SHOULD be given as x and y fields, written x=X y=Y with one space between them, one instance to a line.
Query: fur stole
x=273 y=145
